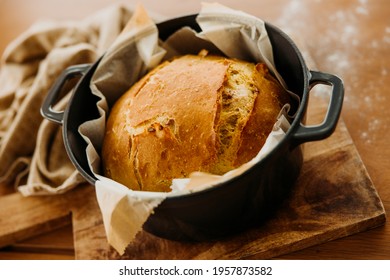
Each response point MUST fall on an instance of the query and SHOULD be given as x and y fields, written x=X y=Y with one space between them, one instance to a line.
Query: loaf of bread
x=194 y=113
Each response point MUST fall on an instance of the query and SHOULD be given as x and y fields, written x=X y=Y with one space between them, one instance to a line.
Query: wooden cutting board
x=333 y=197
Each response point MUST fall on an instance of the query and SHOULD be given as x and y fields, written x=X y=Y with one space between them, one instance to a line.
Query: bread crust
x=188 y=115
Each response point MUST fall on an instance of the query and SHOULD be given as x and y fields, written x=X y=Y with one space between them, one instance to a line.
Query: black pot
x=243 y=201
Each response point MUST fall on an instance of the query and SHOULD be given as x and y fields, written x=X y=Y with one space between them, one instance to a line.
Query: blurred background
x=348 y=38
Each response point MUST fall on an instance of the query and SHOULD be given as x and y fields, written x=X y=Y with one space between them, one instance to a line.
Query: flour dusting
x=345 y=51
x=343 y=28
x=361 y=10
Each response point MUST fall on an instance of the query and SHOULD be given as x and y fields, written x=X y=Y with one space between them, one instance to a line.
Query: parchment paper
x=230 y=32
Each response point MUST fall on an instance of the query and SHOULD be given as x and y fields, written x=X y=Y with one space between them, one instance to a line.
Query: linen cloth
x=32 y=153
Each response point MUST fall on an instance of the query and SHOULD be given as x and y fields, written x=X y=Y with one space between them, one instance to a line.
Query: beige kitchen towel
x=32 y=154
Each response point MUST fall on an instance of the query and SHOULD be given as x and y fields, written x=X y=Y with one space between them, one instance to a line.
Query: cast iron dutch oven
x=243 y=201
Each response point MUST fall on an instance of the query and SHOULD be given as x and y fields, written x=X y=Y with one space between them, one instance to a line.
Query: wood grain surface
x=348 y=38
x=333 y=198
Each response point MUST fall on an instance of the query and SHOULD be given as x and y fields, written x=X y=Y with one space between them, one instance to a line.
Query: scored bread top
x=195 y=113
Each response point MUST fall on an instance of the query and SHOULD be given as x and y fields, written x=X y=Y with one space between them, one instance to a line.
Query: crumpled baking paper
x=233 y=33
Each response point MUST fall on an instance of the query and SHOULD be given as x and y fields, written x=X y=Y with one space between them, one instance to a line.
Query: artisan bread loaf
x=194 y=113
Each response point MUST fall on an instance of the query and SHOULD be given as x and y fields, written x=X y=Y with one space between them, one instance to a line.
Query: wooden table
x=348 y=38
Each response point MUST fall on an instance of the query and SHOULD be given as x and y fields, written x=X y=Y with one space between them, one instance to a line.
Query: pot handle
x=327 y=127
x=47 y=110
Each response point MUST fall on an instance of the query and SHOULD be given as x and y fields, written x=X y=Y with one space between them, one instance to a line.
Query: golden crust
x=270 y=100
x=189 y=115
